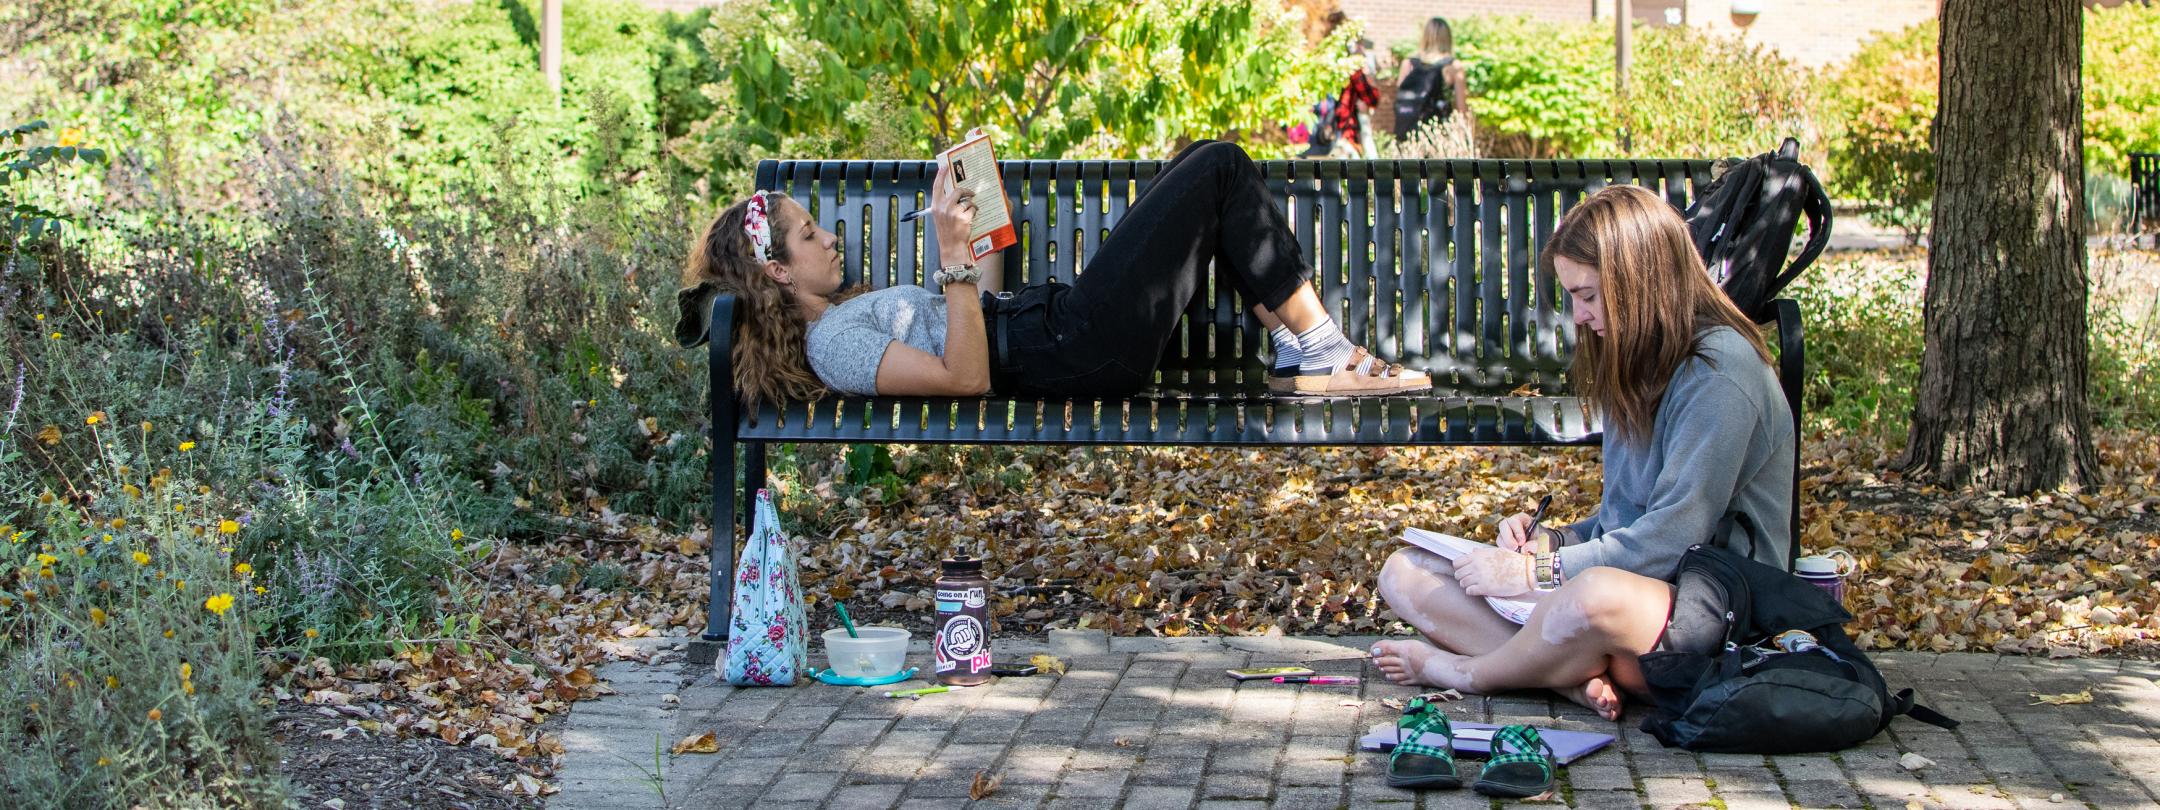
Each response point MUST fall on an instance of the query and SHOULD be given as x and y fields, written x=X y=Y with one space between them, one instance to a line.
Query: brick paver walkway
x=1154 y=723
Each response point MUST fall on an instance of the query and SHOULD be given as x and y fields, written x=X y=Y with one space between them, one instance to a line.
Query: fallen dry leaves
x=1180 y=541
x=2064 y=699
x=984 y=785
x=706 y=743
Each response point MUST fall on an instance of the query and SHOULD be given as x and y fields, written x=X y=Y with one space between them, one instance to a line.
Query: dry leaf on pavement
x=1047 y=663
x=2064 y=699
x=706 y=743
x=984 y=785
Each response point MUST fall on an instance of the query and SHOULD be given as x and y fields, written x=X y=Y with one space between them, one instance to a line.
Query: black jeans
x=1103 y=335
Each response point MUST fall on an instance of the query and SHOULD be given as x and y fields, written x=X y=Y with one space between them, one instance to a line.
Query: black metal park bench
x=1430 y=263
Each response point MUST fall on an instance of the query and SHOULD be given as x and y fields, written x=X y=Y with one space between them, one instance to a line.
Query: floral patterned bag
x=766 y=644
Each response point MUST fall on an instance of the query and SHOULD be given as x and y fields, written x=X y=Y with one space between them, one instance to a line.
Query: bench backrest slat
x=1432 y=263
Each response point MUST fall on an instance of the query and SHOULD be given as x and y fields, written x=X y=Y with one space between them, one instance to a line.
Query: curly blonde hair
x=770 y=351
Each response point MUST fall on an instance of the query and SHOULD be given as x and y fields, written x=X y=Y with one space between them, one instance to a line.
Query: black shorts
x=1697 y=622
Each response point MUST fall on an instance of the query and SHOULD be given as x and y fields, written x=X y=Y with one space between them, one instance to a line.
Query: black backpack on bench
x=1743 y=225
x=1750 y=697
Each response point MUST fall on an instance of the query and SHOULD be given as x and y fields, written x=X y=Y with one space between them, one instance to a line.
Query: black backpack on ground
x=1424 y=95
x=1751 y=697
x=1743 y=225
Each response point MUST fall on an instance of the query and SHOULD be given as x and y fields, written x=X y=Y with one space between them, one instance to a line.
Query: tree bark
x=2002 y=399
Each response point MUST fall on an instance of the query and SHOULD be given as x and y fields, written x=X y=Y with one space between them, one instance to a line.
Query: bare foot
x=1596 y=694
x=1417 y=663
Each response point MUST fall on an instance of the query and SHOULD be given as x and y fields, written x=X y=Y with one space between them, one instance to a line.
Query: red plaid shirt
x=1356 y=97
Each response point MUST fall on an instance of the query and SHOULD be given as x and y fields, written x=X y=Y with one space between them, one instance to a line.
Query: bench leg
x=720 y=590
x=720 y=595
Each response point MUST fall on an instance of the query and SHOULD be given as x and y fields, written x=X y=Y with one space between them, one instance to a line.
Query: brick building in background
x=1813 y=33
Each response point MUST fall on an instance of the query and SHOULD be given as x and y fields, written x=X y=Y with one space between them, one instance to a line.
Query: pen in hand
x=1537 y=518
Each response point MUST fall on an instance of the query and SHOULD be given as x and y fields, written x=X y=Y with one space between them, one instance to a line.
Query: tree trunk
x=2002 y=402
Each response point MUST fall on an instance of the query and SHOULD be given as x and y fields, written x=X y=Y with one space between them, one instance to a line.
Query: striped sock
x=1324 y=348
x=1287 y=353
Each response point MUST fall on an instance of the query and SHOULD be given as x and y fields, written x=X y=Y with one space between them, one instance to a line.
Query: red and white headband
x=758 y=227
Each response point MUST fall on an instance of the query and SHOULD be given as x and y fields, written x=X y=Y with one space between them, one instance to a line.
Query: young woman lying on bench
x=801 y=333
x=1695 y=428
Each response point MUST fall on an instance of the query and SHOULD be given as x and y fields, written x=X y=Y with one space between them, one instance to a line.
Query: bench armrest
x=1792 y=376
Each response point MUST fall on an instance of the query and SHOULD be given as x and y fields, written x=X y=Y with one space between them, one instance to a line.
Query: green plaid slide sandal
x=1415 y=765
x=1521 y=765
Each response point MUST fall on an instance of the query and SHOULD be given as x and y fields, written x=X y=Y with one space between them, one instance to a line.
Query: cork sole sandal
x=1363 y=375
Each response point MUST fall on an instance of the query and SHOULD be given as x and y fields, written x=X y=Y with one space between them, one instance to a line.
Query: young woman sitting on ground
x=1695 y=428
x=801 y=333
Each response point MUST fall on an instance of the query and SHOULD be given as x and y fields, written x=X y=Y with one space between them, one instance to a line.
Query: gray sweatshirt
x=1722 y=440
x=848 y=344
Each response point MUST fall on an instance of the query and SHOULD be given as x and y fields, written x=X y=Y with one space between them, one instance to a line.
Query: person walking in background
x=1353 y=106
x=1433 y=87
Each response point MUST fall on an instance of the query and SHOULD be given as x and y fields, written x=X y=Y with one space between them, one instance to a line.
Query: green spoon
x=845 y=621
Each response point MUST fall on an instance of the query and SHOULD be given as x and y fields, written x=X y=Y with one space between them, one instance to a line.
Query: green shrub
x=1697 y=95
x=1883 y=105
x=1882 y=151
x=2122 y=85
x=1543 y=89
x=1539 y=89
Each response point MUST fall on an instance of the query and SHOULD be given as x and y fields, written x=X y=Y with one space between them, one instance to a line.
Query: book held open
x=1451 y=547
x=975 y=169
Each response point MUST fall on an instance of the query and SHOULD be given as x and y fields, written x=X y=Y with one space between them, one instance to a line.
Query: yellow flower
x=154 y=714
x=243 y=569
x=49 y=434
x=141 y=558
x=168 y=634
x=228 y=527
x=112 y=682
x=46 y=497
x=456 y=534
x=102 y=762
x=187 y=670
x=55 y=336
x=186 y=446
x=97 y=616
x=311 y=633
x=44 y=573
x=179 y=584
x=179 y=507
x=203 y=490
x=219 y=604
x=95 y=416
x=131 y=490
x=41 y=317
x=188 y=687
x=259 y=590
x=118 y=523
x=71 y=136
x=47 y=559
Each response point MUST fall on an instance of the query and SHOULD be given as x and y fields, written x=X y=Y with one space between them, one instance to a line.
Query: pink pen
x=1318 y=679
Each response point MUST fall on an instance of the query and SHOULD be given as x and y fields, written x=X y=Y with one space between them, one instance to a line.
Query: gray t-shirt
x=1722 y=439
x=848 y=343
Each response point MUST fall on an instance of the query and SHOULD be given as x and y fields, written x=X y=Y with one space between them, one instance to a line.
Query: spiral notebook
x=1476 y=738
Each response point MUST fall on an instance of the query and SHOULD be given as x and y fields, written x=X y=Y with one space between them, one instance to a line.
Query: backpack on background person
x=1424 y=94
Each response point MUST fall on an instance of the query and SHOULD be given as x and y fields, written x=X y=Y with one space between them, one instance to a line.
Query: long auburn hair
x=1658 y=299
x=771 y=355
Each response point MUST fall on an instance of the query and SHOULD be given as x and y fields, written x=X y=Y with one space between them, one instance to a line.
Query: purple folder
x=1476 y=738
